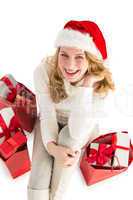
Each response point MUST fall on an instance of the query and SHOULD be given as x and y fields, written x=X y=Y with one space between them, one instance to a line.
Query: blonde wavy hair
x=95 y=67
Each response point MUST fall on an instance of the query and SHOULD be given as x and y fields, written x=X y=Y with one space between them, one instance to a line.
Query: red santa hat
x=85 y=35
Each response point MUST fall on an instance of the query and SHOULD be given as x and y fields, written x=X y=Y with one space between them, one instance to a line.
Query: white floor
x=116 y=187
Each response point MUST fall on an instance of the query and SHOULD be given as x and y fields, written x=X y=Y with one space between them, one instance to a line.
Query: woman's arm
x=81 y=120
x=101 y=111
x=47 y=113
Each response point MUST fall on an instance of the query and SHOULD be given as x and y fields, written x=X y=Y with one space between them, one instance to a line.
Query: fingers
x=72 y=161
x=67 y=157
x=70 y=152
x=69 y=161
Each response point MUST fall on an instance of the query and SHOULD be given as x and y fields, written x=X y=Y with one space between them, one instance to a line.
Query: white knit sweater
x=82 y=110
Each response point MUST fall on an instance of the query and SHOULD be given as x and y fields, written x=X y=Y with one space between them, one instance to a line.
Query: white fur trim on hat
x=73 y=38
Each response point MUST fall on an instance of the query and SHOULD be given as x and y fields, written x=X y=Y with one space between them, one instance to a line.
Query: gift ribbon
x=6 y=131
x=104 y=153
x=131 y=156
x=102 y=156
x=10 y=146
x=13 y=126
x=11 y=142
x=121 y=147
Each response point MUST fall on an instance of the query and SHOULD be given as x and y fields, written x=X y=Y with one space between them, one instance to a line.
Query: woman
x=72 y=88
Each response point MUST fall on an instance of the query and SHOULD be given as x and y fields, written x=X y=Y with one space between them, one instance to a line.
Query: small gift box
x=11 y=145
x=122 y=149
x=100 y=154
x=19 y=163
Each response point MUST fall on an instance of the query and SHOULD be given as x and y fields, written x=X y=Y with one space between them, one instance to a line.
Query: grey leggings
x=48 y=180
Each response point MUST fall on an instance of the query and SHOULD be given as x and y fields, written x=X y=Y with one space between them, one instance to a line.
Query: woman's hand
x=90 y=80
x=65 y=156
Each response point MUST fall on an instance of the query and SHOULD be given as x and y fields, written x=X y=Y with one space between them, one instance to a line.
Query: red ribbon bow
x=13 y=126
x=102 y=155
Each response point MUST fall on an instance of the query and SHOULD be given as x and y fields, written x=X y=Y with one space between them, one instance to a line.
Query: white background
x=27 y=33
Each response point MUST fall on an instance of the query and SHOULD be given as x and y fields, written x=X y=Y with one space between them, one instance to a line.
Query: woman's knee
x=65 y=139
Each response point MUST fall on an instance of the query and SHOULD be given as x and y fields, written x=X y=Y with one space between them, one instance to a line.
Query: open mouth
x=72 y=73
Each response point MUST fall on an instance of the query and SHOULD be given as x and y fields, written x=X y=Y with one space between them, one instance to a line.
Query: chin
x=75 y=81
x=70 y=78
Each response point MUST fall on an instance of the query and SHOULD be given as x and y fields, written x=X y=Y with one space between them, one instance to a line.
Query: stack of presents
x=18 y=114
x=105 y=156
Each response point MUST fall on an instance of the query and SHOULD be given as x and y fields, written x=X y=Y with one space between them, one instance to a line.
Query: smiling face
x=72 y=63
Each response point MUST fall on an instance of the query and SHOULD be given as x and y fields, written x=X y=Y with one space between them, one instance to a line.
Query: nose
x=71 y=64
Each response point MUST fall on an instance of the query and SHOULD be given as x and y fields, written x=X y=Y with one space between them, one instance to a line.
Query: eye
x=64 y=55
x=79 y=57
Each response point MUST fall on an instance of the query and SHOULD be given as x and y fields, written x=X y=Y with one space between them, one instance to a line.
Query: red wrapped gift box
x=100 y=154
x=11 y=145
x=93 y=174
x=19 y=163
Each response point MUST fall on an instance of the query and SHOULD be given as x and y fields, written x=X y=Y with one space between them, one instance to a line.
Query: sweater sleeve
x=88 y=112
x=47 y=113
x=81 y=121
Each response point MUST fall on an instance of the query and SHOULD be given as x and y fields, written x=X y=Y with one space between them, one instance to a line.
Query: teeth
x=71 y=71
